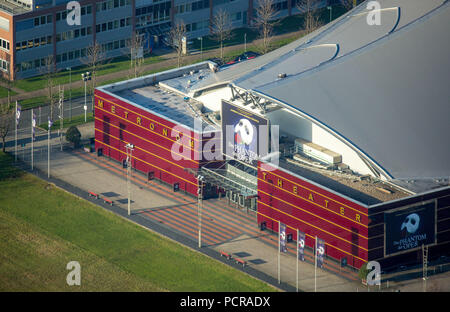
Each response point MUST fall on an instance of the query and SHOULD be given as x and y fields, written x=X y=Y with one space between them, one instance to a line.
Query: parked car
x=216 y=60
x=244 y=56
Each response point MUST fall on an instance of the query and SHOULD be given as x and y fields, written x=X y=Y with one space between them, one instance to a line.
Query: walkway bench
x=107 y=200
x=241 y=262
x=224 y=254
x=94 y=195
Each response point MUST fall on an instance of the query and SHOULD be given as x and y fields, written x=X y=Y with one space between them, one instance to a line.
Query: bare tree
x=135 y=50
x=265 y=13
x=49 y=72
x=312 y=19
x=348 y=4
x=7 y=81
x=6 y=120
x=176 y=35
x=95 y=56
x=6 y=110
x=221 y=28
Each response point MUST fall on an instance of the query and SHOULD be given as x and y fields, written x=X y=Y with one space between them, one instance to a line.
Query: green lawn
x=4 y=92
x=281 y=26
x=42 y=228
x=228 y=56
x=43 y=100
x=76 y=120
x=237 y=37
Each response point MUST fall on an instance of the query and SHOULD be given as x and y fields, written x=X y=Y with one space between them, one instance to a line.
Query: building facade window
x=42 y=20
x=111 y=4
x=4 y=65
x=85 y=10
x=107 y=26
x=4 y=44
x=73 y=34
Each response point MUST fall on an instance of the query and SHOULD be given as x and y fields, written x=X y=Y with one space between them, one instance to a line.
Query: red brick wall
x=343 y=224
x=118 y=123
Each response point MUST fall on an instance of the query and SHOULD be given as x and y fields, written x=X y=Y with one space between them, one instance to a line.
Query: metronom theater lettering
x=151 y=125
x=313 y=197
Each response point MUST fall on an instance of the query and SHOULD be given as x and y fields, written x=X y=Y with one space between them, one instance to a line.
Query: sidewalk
x=170 y=60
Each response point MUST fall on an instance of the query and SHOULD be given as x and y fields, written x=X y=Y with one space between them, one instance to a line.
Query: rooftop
x=381 y=89
x=364 y=189
x=13 y=7
x=164 y=94
x=161 y=101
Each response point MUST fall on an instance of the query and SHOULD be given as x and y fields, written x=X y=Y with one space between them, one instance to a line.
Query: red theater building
x=160 y=126
x=334 y=135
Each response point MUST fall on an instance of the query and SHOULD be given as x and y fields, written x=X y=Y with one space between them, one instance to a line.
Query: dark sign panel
x=283 y=247
x=320 y=252
x=301 y=245
x=410 y=228
x=242 y=134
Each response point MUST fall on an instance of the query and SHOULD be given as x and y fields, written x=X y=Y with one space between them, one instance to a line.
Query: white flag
x=18 y=110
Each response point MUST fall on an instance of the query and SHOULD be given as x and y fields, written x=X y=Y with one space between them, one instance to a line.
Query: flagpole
x=279 y=252
x=15 y=137
x=32 y=139
x=298 y=253
x=315 y=266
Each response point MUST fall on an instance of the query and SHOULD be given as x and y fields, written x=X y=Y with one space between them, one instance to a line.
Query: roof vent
x=282 y=75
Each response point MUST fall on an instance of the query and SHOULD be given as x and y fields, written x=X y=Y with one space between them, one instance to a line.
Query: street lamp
x=85 y=77
x=129 y=147
x=331 y=9
x=70 y=91
x=201 y=47
x=245 y=42
x=199 y=198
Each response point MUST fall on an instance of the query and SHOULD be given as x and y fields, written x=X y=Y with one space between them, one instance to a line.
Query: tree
x=221 y=28
x=265 y=13
x=363 y=271
x=49 y=71
x=312 y=20
x=348 y=4
x=6 y=121
x=73 y=135
x=176 y=36
x=6 y=110
x=136 y=52
x=95 y=56
x=7 y=81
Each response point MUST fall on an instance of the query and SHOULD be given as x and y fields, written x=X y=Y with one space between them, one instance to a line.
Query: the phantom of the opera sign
x=410 y=228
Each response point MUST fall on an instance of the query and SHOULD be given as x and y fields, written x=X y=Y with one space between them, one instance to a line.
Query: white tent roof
x=383 y=89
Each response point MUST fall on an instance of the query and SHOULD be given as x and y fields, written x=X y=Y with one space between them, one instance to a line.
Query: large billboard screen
x=244 y=134
x=410 y=228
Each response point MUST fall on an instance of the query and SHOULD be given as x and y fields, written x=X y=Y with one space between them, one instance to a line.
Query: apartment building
x=31 y=30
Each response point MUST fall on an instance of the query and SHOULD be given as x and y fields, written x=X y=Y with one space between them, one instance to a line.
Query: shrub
x=73 y=135
x=363 y=272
